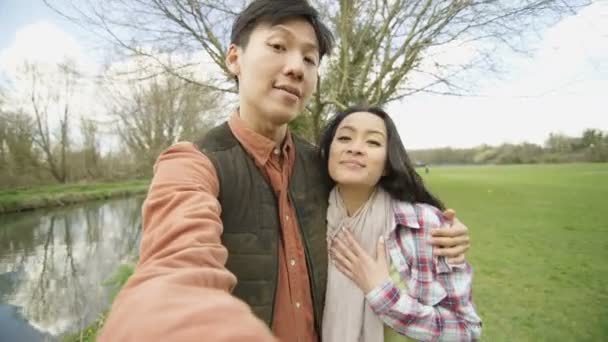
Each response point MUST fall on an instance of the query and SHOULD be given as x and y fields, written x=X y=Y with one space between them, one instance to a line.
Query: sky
x=561 y=86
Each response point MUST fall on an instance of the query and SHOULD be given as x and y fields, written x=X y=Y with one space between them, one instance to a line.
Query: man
x=246 y=203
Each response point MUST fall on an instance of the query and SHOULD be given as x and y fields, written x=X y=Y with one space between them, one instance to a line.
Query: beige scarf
x=347 y=316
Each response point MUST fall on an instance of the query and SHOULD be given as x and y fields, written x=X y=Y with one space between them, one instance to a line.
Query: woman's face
x=357 y=154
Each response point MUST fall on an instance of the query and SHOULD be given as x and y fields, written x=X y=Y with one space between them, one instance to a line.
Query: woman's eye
x=343 y=138
x=374 y=143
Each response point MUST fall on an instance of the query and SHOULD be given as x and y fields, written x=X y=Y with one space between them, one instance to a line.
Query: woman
x=382 y=271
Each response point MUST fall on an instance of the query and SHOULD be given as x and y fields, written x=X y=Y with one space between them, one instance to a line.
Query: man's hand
x=356 y=264
x=452 y=239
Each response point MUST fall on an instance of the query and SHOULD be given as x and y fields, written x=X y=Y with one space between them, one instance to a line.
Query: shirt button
x=298 y=305
x=276 y=151
x=292 y=262
x=286 y=217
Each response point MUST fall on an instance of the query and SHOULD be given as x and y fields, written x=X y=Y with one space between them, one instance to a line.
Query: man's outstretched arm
x=180 y=290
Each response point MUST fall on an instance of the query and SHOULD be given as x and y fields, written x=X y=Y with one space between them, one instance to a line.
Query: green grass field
x=539 y=247
x=19 y=199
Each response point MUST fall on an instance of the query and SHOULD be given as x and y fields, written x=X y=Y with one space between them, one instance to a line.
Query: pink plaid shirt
x=437 y=305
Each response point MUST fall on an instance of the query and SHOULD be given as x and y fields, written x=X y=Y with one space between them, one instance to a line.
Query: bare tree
x=19 y=163
x=142 y=28
x=386 y=49
x=3 y=136
x=91 y=153
x=153 y=114
x=51 y=95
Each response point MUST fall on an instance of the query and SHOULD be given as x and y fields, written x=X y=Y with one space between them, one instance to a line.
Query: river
x=53 y=264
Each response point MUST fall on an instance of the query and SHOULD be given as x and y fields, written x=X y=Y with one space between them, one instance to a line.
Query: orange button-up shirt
x=293 y=318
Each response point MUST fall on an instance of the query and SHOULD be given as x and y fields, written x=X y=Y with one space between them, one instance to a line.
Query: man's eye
x=310 y=61
x=278 y=47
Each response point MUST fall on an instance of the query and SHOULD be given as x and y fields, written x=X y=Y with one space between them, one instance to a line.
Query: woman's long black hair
x=401 y=181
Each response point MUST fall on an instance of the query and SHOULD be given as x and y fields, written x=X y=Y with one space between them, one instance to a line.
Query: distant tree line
x=591 y=146
x=45 y=138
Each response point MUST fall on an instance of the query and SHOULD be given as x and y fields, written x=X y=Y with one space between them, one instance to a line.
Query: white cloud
x=561 y=88
x=44 y=45
x=40 y=43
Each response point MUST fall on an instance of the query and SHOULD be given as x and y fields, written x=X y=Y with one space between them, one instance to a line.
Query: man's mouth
x=289 y=89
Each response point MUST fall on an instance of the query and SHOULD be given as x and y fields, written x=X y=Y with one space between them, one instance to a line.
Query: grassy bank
x=540 y=245
x=20 y=199
x=116 y=282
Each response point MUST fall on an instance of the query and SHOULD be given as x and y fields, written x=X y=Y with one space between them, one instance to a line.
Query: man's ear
x=233 y=60
x=316 y=83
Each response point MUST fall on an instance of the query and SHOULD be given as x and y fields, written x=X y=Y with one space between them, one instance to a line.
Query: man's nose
x=295 y=66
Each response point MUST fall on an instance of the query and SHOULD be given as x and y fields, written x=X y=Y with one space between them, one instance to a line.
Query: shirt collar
x=406 y=215
x=259 y=146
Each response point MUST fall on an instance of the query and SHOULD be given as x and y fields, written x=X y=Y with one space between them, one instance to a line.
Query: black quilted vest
x=251 y=220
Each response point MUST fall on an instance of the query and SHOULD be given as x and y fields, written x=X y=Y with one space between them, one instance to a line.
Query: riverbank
x=22 y=199
x=117 y=281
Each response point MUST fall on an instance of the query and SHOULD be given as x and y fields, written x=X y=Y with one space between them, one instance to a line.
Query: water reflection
x=52 y=265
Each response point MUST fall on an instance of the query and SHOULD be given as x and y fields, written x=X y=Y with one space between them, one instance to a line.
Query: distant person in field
x=383 y=283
